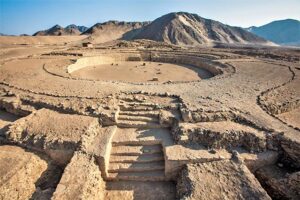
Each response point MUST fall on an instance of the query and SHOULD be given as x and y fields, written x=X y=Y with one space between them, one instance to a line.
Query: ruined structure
x=218 y=136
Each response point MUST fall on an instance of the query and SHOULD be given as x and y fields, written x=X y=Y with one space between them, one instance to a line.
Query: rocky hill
x=183 y=28
x=284 y=32
x=80 y=28
x=58 y=30
x=179 y=28
x=112 y=30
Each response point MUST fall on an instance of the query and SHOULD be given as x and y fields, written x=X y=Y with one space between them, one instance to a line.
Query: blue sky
x=29 y=16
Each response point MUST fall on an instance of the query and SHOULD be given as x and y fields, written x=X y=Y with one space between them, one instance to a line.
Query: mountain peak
x=183 y=28
x=71 y=26
x=57 y=30
x=285 y=31
x=56 y=27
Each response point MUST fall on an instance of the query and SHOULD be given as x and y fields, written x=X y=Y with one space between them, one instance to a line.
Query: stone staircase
x=136 y=167
x=138 y=115
x=137 y=152
x=138 y=161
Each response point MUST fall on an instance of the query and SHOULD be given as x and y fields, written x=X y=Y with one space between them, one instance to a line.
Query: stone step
x=136 y=159
x=135 y=124
x=140 y=113
x=137 y=108
x=135 y=142
x=129 y=190
x=131 y=100
x=136 y=167
x=138 y=136
x=136 y=150
x=137 y=176
x=140 y=104
x=138 y=118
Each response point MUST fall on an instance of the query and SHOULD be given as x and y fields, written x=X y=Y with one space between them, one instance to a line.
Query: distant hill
x=179 y=28
x=58 y=30
x=80 y=28
x=183 y=28
x=285 y=32
x=112 y=30
x=2 y=34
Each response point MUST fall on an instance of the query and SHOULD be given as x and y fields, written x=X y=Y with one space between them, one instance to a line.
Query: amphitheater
x=149 y=122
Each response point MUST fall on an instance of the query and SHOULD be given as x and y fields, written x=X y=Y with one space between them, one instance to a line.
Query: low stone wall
x=81 y=180
x=291 y=151
x=101 y=59
x=195 y=61
x=212 y=135
x=275 y=109
x=56 y=134
x=225 y=179
x=99 y=145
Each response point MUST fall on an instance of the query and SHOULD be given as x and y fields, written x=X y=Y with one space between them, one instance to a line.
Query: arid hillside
x=58 y=30
x=113 y=30
x=190 y=29
x=179 y=28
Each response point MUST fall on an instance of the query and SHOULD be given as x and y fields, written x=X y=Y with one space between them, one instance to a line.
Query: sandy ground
x=138 y=72
x=292 y=117
x=140 y=190
x=14 y=40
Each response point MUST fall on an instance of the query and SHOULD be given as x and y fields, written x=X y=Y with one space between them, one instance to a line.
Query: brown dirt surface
x=55 y=126
x=292 y=117
x=13 y=40
x=138 y=72
x=219 y=180
x=19 y=171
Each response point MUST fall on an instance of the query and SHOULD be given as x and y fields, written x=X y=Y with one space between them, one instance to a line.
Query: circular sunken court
x=140 y=69
x=137 y=72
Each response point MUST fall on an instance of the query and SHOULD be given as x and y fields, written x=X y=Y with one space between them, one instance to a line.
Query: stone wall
x=213 y=67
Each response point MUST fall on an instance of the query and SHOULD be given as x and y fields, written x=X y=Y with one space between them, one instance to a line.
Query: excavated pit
x=141 y=68
x=139 y=72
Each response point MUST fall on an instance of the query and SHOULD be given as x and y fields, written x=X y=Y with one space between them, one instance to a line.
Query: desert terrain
x=144 y=119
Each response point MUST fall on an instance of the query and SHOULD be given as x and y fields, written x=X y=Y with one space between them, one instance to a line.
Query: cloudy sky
x=29 y=16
